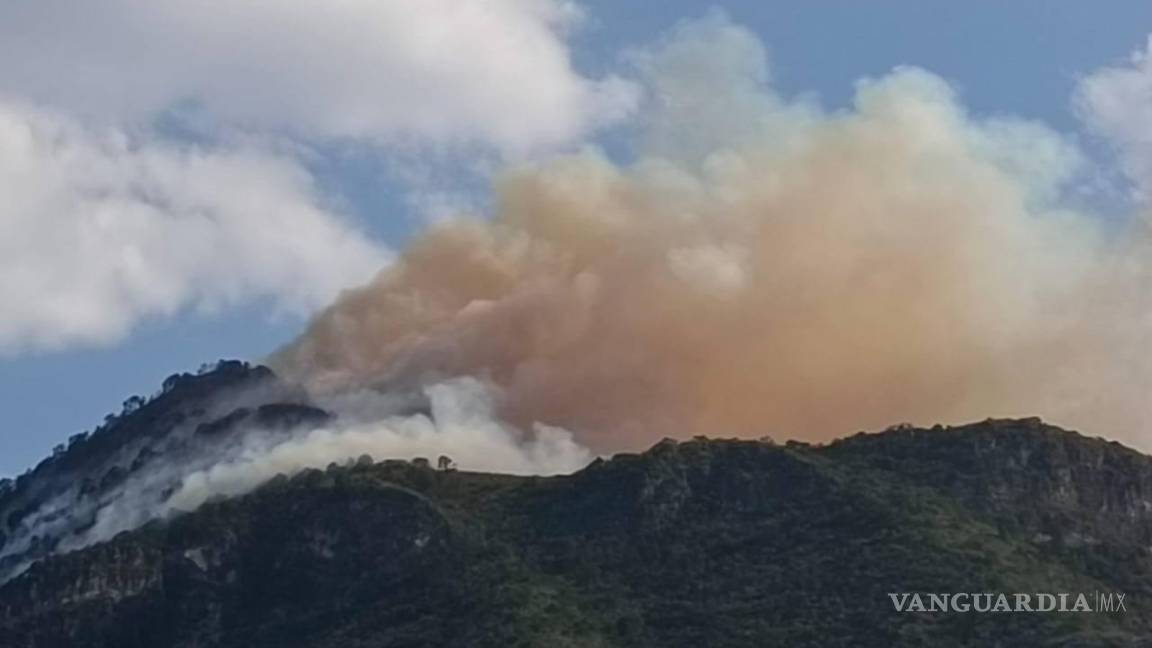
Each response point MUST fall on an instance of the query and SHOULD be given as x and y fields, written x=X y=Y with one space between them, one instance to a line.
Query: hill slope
x=123 y=467
x=700 y=543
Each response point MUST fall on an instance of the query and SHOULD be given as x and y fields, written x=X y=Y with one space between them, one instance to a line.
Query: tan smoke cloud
x=769 y=268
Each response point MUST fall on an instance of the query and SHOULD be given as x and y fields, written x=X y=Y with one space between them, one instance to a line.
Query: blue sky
x=1019 y=58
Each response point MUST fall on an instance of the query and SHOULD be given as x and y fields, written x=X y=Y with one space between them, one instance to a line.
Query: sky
x=181 y=185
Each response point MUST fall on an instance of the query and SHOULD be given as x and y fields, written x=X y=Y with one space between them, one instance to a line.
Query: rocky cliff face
x=1057 y=486
x=707 y=542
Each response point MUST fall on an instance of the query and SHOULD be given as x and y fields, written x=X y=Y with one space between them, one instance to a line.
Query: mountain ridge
x=698 y=542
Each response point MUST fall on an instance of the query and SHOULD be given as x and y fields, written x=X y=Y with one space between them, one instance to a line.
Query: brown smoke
x=816 y=275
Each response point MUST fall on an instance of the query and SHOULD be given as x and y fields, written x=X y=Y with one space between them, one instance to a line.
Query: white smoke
x=460 y=424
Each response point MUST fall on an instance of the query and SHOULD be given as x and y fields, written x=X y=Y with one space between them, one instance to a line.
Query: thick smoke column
x=767 y=267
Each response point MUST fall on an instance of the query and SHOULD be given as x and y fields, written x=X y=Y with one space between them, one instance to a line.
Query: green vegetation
x=702 y=543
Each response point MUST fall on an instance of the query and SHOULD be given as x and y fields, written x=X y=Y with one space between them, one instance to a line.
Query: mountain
x=193 y=420
x=704 y=542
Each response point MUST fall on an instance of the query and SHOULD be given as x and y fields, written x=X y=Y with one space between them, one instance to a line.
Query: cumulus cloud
x=110 y=216
x=441 y=71
x=100 y=229
x=767 y=266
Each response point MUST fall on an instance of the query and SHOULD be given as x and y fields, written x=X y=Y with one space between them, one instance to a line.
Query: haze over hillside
x=705 y=542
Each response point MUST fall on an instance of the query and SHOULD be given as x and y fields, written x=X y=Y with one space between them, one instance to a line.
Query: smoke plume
x=186 y=467
x=762 y=266
x=767 y=267
x=460 y=420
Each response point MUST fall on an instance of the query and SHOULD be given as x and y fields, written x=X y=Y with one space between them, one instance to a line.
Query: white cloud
x=106 y=220
x=1116 y=102
x=493 y=72
x=99 y=229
